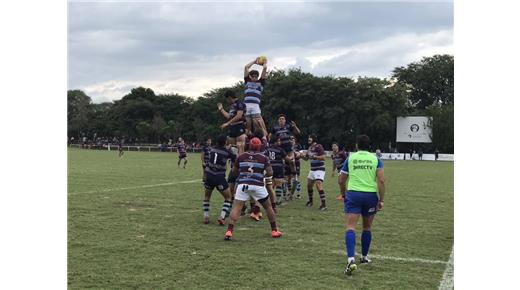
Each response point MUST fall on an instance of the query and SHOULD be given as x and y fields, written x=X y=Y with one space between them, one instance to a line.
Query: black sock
x=230 y=227
x=273 y=226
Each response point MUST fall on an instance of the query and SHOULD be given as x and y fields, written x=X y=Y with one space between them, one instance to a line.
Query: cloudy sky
x=191 y=48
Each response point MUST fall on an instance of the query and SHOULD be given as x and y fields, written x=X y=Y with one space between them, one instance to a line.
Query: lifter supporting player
x=215 y=177
x=251 y=165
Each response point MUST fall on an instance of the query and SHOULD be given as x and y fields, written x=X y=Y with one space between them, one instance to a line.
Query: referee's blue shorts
x=358 y=202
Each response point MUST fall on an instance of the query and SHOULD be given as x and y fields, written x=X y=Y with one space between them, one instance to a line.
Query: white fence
x=144 y=148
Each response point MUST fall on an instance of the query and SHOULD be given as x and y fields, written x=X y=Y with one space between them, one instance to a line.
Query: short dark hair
x=230 y=93
x=258 y=133
x=363 y=142
x=335 y=143
x=254 y=73
x=313 y=137
x=282 y=115
x=221 y=140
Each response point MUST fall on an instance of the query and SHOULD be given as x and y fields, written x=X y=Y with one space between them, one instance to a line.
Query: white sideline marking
x=447 y=277
x=137 y=187
x=416 y=260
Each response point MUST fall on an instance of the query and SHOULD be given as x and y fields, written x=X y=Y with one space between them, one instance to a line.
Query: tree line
x=336 y=109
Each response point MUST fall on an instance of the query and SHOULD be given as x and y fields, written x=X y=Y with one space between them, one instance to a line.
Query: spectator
x=420 y=154
x=436 y=154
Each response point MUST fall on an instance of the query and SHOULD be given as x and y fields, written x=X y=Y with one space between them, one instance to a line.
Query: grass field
x=136 y=223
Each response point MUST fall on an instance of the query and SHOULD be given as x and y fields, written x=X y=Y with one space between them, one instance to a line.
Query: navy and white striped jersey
x=276 y=156
x=206 y=150
x=238 y=105
x=181 y=148
x=218 y=158
x=254 y=89
x=284 y=133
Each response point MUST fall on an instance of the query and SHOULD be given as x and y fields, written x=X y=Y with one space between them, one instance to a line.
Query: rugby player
x=204 y=156
x=181 y=149
x=294 y=184
x=317 y=172
x=253 y=95
x=215 y=177
x=363 y=172
x=251 y=165
x=338 y=158
x=276 y=156
x=120 y=148
x=284 y=132
x=235 y=120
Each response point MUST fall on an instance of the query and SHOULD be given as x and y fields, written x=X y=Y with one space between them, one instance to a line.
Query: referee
x=365 y=176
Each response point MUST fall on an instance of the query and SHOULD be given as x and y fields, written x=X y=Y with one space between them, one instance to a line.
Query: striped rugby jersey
x=276 y=156
x=206 y=150
x=284 y=133
x=218 y=158
x=181 y=148
x=317 y=150
x=254 y=89
x=338 y=158
x=251 y=167
x=238 y=105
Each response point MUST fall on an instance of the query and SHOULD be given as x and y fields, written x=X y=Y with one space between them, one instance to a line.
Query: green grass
x=153 y=237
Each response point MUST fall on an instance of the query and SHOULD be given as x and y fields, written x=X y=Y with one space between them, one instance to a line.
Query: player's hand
x=219 y=106
x=223 y=126
x=380 y=205
x=256 y=60
x=293 y=123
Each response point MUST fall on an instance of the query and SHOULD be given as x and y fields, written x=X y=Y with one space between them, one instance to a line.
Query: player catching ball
x=254 y=83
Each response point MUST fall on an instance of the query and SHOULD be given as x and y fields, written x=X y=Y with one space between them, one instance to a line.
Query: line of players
x=265 y=172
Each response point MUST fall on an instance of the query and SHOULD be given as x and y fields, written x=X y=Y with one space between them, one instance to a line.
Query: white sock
x=351 y=259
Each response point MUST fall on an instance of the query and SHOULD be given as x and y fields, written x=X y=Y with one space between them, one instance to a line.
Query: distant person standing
x=420 y=154
x=120 y=148
x=378 y=153
x=436 y=154
x=181 y=149
x=362 y=176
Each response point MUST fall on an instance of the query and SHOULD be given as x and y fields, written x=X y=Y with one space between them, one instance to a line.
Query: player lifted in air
x=254 y=83
x=181 y=149
x=204 y=156
x=251 y=166
x=215 y=176
x=235 y=120
x=338 y=158
x=317 y=173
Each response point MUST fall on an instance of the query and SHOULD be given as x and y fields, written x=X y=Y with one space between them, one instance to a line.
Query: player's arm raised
x=295 y=129
x=237 y=117
x=222 y=111
x=263 y=75
x=248 y=66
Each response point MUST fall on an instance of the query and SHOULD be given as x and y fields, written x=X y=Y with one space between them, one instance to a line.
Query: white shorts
x=244 y=191
x=316 y=175
x=253 y=110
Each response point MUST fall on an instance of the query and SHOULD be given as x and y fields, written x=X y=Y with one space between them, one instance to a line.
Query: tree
x=78 y=108
x=430 y=80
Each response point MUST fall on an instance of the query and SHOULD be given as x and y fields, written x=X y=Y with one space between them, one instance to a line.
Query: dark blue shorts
x=218 y=181
x=364 y=203
x=182 y=155
x=288 y=148
x=278 y=172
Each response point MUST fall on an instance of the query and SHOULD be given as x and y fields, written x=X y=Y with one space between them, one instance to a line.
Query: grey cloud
x=155 y=41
